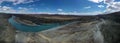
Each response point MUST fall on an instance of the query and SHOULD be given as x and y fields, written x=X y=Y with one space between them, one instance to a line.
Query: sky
x=76 y=7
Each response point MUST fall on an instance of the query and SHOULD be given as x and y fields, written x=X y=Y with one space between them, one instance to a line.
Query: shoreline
x=25 y=22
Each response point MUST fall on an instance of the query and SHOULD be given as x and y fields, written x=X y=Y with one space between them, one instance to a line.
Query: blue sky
x=55 y=6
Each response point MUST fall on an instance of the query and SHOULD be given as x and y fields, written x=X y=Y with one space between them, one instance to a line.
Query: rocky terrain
x=102 y=28
x=7 y=32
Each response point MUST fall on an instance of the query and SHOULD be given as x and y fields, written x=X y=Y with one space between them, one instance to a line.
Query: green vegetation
x=1 y=27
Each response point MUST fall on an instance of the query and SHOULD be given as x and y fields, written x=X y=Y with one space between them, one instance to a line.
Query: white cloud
x=112 y=6
x=22 y=9
x=87 y=7
x=96 y=1
x=100 y=6
x=7 y=9
x=108 y=1
x=15 y=2
x=60 y=10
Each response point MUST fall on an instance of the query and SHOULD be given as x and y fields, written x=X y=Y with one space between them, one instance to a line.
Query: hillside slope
x=85 y=29
x=7 y=32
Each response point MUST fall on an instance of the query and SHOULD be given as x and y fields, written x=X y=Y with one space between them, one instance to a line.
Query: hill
x=102 y=28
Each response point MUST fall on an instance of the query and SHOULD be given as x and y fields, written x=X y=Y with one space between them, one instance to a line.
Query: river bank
x=25 y=22
x=103 y=29
x=7 y=31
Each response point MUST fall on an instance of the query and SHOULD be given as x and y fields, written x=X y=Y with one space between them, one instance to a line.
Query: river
x=37 y=28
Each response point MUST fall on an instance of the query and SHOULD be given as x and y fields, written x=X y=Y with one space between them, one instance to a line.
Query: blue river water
x=37 y=28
